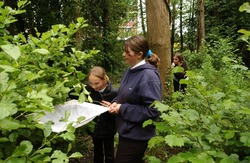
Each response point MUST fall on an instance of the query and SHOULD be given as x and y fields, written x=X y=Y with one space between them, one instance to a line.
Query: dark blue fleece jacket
x=139 y=88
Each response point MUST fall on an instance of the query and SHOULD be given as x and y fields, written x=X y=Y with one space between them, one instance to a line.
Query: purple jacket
x=139 y=88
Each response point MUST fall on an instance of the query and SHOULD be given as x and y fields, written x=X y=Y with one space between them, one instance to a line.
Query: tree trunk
x=78 y=35
x=142 y=17
x=173 y=17
x=200 y=24
x=181 y=26
x=158 y=23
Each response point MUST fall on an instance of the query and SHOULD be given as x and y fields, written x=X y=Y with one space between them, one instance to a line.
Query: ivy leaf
x=173 y=140
x=23 y=149
x=12 y=50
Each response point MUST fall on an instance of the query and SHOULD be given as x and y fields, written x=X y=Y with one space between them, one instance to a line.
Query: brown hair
x=138 y=44
x=99 y=72
x=154 y=60
x=179 y=56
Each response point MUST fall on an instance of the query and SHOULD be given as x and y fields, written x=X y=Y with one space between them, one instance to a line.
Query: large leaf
x=23 y=149
x=173 y=140
x=7 y=109
x=12 y=50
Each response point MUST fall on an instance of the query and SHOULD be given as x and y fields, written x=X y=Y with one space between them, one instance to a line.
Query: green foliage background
x=36 y=73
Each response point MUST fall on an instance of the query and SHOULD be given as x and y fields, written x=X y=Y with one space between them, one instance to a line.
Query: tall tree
x=173 y=30
x=181 y=25
x=200 y=23
x=158 y=27
x=142 y=13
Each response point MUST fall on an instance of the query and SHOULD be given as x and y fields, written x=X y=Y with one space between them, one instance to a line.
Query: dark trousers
x=104 y=150
x=130 y=151
x=179 y=87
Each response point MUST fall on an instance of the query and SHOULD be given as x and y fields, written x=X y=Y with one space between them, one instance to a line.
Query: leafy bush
x=36 y=73
x=210 y=122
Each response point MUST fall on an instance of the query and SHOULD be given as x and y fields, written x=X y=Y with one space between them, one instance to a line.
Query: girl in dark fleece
x=139 y=88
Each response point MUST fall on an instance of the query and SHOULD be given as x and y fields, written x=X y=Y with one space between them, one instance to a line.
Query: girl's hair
x=179 y=56
x=138 y=44
x=99 y=72
x=154 y=60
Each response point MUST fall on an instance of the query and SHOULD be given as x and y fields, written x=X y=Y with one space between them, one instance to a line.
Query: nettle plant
x=37 y=73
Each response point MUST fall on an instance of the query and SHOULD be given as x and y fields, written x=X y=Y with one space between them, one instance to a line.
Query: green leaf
x=161 y=107
x=214 y=129
x=13 y=136
x=8 y=68
x=47 y=129
x=175 y=159
x=8 y=124
x=178 y=69
x=153 y=159
x=21 y=3
x=44 y=150
x=23 y=149
x=70 y=128
x=155 y=140
x=12 y=50
x=173 y=140
x=41 y=51
x=76 y=155
x=79 y=119
x=59 y=157
x=245 y=32
x=66 y=116
x=191 y=114
x=148 y=122
x=7 y=109
x=245 y=7
x=245 y=138
x=3 y=139
x=218 y=95
x=68 y=136
x=229 y=134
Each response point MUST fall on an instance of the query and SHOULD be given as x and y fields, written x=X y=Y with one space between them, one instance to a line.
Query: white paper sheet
x=76 y=110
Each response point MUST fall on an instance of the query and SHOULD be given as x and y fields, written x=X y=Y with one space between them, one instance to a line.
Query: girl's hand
x=114 y=108
x=105 y=103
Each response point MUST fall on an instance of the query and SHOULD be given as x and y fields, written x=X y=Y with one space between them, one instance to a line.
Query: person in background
x=102 y=92
x=179 y=61
x=139 y=88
